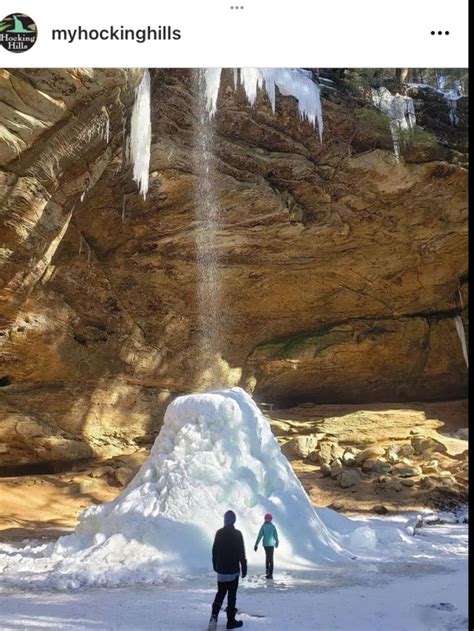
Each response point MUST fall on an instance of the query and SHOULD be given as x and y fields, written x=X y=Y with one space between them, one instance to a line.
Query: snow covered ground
x=143 y=560
x=427 y=591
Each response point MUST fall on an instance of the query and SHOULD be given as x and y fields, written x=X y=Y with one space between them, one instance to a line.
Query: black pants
x=269 y=559
x=229 y=589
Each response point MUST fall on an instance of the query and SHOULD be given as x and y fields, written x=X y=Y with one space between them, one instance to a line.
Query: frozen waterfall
x=399 y=109
x=214 y=451
x=140 y=140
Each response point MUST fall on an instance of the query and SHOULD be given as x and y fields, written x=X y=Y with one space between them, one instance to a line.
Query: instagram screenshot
x=234 y=316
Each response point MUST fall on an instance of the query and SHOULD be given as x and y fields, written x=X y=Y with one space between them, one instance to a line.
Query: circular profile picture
x=18 y=33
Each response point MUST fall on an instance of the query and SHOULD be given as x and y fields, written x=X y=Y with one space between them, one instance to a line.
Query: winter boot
x=232 y=623
x=213 y=619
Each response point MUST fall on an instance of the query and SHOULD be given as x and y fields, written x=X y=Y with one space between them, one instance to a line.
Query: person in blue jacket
x=269 y=534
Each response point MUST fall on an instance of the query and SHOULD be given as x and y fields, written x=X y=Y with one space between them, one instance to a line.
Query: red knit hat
x=268 y=517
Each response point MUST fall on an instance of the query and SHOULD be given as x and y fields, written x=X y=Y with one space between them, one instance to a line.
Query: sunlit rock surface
x=341 y=270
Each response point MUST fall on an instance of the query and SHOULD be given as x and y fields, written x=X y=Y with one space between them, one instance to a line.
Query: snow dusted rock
x=392 y=454
x=348 y=458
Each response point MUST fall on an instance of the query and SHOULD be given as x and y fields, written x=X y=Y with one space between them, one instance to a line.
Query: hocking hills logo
x=18 y=33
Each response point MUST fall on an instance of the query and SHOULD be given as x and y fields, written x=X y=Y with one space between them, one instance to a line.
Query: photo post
x=234 y=316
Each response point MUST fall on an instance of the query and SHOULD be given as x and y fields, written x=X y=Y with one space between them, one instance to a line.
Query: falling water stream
x=208 y=220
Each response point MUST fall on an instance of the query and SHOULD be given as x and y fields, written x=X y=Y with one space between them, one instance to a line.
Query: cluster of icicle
x=294 y=82
x=399 y=109
x=451 y=96
x=289 y=81
x=140 y=134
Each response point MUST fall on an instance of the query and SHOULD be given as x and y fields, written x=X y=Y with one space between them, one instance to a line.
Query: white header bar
x=265 y=33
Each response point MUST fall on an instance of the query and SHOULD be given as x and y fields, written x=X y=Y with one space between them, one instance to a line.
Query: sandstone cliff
x=341 y=269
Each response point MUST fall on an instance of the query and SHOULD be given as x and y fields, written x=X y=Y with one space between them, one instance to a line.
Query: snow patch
x=140 y=137
x=363 y=538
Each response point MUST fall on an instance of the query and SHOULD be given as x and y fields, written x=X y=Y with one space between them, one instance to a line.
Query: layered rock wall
x=341 y=270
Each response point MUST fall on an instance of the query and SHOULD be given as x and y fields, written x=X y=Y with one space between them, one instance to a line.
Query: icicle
x=140 y=141
x=462 y=337
x=80 y=243
x=299 y=83
x=252 y=81
x=289 y=81
x=452 y=97
x=452 y=111
x=212 y=80
x=399 y=109
x=88 y=253
x=106 y=128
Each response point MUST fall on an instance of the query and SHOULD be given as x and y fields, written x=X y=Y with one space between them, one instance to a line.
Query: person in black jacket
x=228 y=560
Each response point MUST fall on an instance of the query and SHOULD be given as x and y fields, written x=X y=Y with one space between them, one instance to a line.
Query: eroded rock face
x=340 y=269
x=371 y=360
